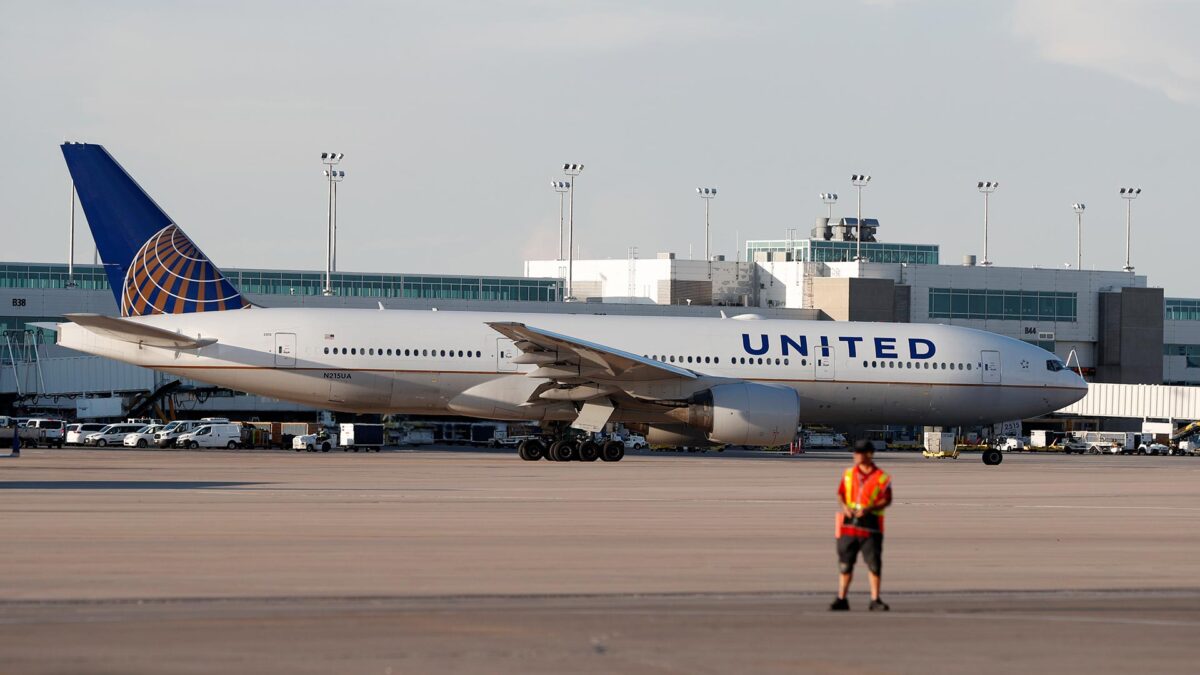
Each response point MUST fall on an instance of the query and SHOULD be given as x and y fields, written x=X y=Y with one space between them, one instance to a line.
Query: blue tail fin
x=152 y=266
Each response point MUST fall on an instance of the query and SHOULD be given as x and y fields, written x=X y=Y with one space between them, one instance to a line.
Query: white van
x=212 y=436
x=170 y=432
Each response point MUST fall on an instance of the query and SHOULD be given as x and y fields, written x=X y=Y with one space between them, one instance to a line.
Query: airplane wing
x=136 y=332
x=575 y=358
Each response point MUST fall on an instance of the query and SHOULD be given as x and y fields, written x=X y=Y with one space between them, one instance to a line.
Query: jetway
x=1138 y=401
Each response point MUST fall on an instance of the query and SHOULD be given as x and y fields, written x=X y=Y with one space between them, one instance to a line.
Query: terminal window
x=1191 y=353
x=973 y=303
x=1182 y=309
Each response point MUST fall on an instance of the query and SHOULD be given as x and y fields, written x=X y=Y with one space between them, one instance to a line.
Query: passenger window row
x=372 y=351
x=767 y=361
x=683 y=359
x=921 y=365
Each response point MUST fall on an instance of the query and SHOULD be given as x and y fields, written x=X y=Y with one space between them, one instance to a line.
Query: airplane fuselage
x=454 y=363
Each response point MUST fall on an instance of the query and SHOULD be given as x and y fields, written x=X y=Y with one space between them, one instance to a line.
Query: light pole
x=329 y=159
x=71 y=243
x=829 y=199
x=1078 y=208
x=987 y=187
x=859 y=181
x=561 y=187
x=336 y=177
x=707 y=194
x=572 y=170
x=1128 y=194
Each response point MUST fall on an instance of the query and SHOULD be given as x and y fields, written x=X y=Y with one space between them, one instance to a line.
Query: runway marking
x=1003 y=616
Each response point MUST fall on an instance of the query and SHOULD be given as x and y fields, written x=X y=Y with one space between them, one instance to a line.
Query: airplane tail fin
x=152 y=266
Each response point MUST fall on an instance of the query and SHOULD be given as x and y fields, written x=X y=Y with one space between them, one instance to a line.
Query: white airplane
x=687 y=381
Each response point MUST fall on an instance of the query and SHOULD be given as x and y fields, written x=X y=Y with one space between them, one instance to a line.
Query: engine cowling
x=745 y=413
x=674 y=435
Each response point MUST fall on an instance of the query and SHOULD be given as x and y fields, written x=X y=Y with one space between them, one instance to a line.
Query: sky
x=454 y=118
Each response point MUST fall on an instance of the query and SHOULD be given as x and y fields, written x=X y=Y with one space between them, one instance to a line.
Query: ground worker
x=16 y=440
x=863 y=493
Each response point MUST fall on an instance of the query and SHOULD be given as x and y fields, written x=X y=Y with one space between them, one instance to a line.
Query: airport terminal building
x=1112 y=324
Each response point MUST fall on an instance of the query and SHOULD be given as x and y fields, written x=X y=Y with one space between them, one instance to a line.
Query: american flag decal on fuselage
x=171 y=275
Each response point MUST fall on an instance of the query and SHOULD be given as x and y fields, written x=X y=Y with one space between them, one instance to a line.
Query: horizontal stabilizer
x=136 y=332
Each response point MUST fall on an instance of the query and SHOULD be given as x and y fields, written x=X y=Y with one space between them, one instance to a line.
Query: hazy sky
x=454 y=117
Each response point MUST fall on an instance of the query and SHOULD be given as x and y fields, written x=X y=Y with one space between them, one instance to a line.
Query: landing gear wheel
x=531 y=450
x=589 y=451
x=562 y=451
x=613 y=451
x=992 y=457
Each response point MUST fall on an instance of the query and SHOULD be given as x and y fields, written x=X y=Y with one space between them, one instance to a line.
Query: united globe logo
x=171 y=275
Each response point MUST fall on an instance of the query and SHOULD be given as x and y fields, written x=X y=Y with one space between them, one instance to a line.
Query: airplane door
x=505 y=352
x=824 y=362
x=990 y=366
x=285 y=350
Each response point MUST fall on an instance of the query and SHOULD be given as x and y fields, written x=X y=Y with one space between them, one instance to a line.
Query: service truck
x=358 y=436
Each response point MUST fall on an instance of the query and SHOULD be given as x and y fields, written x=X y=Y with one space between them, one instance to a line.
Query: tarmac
x=120 y=561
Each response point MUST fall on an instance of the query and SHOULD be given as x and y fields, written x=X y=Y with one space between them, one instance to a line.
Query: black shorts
x=872 y=552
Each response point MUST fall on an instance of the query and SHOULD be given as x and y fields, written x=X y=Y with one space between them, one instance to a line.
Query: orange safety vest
x=861 y=491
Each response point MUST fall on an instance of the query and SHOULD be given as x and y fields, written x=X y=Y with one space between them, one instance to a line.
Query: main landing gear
x=992 y=456
x=566 y=450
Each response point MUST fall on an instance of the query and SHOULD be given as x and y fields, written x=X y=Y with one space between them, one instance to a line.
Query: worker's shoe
x=878 y=605
x=839 y=605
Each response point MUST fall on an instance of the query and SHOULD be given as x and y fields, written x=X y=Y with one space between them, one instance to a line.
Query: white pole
x=1079 y=240
x=1128 y=217
x=985 y=229
x=333 y=249
x=858 y=231
x=71 y=243
x=561 y=199
x=571 y=242
x=329 y=239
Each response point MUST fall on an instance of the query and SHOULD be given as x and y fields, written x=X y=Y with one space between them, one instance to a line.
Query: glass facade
x=13 y=327
x=1191 y=353
x=43 y=275
x=1182 y=309
x=280 y=282
x=972 y=303
x=818 y=250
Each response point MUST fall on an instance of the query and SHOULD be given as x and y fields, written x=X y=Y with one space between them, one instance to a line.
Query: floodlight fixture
x=987 y=187
x=859 y=181
x=707 y=194
x=572 y=170
x=1128 y=194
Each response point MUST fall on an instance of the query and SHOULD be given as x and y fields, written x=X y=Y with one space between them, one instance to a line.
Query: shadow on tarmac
x=118 y=484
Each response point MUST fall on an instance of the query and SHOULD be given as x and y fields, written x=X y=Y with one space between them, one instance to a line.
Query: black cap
x=863 y=446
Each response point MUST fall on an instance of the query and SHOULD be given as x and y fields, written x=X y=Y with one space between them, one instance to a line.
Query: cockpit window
x=1054 y=365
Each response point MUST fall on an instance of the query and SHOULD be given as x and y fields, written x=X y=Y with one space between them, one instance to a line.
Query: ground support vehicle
x=320 y=440
x=76 y=432
x=47 y=432
x=170 y=432
x=142 y=438
x=113 y=434
x=216 y=435
x=357 y=436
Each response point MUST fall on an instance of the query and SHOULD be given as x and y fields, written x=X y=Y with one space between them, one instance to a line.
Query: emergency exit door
x=505 y=353
x=285 y=350
x=824 y=361
x=989 y=366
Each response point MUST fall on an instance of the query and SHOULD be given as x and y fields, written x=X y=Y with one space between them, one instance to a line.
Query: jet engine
x=744 y=413
x=674 y=435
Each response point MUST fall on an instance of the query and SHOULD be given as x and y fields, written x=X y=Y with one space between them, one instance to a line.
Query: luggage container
x=356 y=436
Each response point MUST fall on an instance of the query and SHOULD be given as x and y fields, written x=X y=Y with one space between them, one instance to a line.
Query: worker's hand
x=847 y=512
x=858 y=513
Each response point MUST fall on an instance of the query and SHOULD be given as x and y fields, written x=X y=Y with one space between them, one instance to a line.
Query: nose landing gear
x=992 y=457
